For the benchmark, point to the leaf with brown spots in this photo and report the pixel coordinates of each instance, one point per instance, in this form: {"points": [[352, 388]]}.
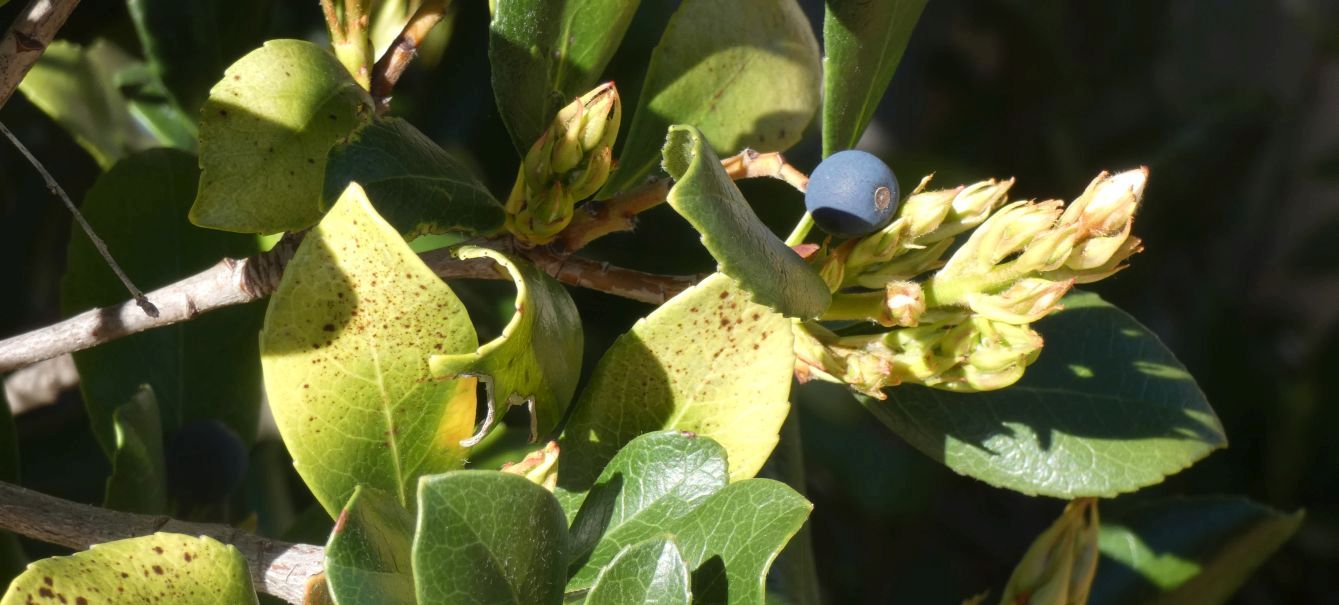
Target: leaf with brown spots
{"points": [[161, 568], [691, 366], [275, 109], [345, 351], [536, 361]]}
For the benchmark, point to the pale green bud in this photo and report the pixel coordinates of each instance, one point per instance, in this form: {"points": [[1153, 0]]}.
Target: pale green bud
{"points": [[1058, 568], [1048, 251], [1105, 216], [1026, 301], [600, 121], [994, 355], [878, 247], [592, 177], [970, 207], [1115, 262], [909, 264], [539, 466], [925, 211], [1005, 233]]}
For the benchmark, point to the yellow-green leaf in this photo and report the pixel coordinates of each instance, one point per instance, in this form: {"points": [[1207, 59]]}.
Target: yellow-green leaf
{"points": [[709, 361], [139, 474], [536, 361], [264, 135], [161, 568], [345, 351]]}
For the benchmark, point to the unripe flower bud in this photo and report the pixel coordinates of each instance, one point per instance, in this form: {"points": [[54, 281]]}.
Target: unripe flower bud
{"points": [[1026, 301], [1058, 568]]}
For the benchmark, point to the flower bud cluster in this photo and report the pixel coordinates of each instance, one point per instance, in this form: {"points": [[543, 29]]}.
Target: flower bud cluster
{"points": [[967, 326], [569, 162]]}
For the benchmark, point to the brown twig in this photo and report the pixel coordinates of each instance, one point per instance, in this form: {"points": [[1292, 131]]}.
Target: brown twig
{"points": [[277, 568], [597, 219], [749, 164], [401, 52], [239, 281], [27, 38], [596, 275]]}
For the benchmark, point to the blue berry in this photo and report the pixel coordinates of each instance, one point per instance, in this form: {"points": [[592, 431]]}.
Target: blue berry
{"points": [[852, 193], [206, 461]]}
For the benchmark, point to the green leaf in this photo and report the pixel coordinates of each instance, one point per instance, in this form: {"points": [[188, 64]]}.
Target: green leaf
{"points": [[75, 87], [544, 53], [1106, 409], [652, 482], [139, 474], [152, 106], [488, 537], [745, 248], [206, 368], [414, 184], [863, 42], [264, 135], [190, 43], [368, 557], [745, 73], [1186, 551], [731, 540], [709, 361], [345, 350], [537, 358], [650, 573], [161, 568]]}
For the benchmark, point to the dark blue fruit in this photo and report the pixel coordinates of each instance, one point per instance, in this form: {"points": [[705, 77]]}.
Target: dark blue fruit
{"points": [[852, 193], [206, 461]]}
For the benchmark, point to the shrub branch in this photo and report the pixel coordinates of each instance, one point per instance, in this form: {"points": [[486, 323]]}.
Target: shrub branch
{"points": [[280, 569], [238, 281], [402, 51]]}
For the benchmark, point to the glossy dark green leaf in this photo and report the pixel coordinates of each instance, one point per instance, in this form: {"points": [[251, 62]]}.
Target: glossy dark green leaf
{"points": [[650, 573], [413, 183], [189, 44], [488, 537], [544, 53], [745, 248], [204, 368], [138, 483], [709, 361], [1105, 409], [863, 42], [1186, 551], [264, 135], [655, 480], [368, 557], [731, 540], [536, 361], [744, 72]]}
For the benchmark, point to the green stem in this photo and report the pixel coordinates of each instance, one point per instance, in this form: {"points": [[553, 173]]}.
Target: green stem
{"points": [[866, 306], [801, 230], [354, 47]]}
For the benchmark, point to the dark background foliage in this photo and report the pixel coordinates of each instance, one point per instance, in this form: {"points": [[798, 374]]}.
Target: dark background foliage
{"points": [[1233, 104]]}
